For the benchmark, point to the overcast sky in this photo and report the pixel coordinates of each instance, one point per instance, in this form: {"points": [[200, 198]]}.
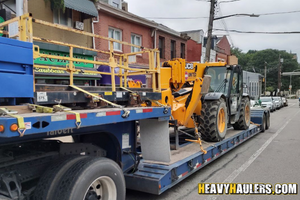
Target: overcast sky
{"points": [[200, 8]]}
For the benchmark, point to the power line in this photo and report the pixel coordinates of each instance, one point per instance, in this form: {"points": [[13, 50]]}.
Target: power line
{"points": [[225, 26], [273, 13], [278, 13], [175, 17], [228, 1], [261, 32]]}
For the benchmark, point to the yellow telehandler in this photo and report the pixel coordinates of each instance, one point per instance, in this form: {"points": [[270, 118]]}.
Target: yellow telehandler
{"points": [[208, 96]]}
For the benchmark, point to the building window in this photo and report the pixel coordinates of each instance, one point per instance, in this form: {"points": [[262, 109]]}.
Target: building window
{"points": [[63, 18], [161, 47], [136, 40], [173, 49], [182, 50], [117, 35]]}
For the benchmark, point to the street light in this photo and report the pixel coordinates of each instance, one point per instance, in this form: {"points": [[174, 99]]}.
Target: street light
{"points": [[291, 80], [210, 26], [233, 15]]}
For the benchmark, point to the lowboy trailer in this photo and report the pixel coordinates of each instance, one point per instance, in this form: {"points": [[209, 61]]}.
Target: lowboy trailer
{"points": [[59, 153]]}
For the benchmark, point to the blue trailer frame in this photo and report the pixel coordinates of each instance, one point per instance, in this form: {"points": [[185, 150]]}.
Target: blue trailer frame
{"points": [[156, 178]]}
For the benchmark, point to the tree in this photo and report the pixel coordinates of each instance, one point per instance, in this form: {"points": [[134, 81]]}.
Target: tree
{"points": [[255, 60]]}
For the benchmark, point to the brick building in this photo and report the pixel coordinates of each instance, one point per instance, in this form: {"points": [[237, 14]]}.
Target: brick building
{"points": [[194, 45], [122, 25], [222, 49]]}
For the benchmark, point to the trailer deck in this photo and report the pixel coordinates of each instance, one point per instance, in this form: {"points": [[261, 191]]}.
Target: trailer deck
{"points": [[156, 177], [43, 124]]}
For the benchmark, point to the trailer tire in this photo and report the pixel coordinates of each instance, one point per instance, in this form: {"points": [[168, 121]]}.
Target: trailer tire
{"points": [[243, 122], [91, 179], [268, 121], [52, 176], [263, 123], [213, 120]]}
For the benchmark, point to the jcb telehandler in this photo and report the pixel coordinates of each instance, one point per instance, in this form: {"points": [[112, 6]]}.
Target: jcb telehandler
{"points": [[206, 95]]}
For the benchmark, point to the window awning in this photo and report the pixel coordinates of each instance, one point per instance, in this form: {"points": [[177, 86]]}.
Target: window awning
{"points": [[84, 6]]}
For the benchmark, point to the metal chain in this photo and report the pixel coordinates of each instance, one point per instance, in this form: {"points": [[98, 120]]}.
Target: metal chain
{"points": [[197, 133]]}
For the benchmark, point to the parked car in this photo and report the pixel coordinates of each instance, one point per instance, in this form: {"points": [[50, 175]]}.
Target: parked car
{"points": [[277, 102], [268, 102], [285, 101], [281, 102]]}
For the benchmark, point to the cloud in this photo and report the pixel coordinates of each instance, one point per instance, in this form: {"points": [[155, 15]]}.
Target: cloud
{"points": [[194, 8]]}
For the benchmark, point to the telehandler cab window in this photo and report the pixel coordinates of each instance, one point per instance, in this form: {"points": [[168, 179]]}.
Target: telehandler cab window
{"points": [[219, 79]]}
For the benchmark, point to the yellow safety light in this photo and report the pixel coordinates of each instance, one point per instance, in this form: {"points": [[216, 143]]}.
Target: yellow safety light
{"points": [[1, 128], [14, 127]]}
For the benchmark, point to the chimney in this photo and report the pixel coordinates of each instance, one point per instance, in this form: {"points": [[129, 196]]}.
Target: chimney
{"points": [[125, 6]]}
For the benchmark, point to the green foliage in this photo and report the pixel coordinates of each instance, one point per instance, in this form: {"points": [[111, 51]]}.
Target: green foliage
{"points": [[257, 59], [56, 4], [270, 89]]}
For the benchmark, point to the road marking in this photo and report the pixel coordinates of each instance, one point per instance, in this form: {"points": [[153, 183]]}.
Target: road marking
{"points": [[237, 172]]}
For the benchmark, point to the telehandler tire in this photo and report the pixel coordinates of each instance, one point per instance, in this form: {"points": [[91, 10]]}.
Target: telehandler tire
{"points": [[244, 120], [213, 120]]}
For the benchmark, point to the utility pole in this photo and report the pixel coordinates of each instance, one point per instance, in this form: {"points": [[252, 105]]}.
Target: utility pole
{"points": [[209, 31], [265, 77], [279, 73]]}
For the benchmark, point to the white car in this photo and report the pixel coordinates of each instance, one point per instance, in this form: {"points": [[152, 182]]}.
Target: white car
{"points": [[277, 102], [268, 102]]}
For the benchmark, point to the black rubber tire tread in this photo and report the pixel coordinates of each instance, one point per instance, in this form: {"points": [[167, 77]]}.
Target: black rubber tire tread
{"points": [[52, 176], [241, 123], [262, 126], [208, 120], [78, 178], [268, 121]]}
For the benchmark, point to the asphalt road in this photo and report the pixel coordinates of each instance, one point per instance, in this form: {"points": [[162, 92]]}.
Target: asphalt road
{"points": [[269, 157]]}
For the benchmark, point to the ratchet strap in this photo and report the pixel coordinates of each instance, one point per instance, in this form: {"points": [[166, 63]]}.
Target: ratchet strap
{"points": [[125, 112], [78, 119], [21, 124], [60, 108], [56, 108], [255, 124], [41, 109], [95, 96]]}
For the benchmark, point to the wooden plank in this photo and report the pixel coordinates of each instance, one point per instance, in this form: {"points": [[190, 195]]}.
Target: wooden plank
{"points": [[20, 109]]}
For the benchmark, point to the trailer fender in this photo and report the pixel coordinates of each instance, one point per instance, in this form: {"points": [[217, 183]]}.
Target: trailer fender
{"points": [[214, 96], [106, 141]]}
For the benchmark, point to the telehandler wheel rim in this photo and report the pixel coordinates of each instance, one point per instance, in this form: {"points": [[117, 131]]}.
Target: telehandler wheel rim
{"points": [[221, 120], [103, 187], [247, 114]]}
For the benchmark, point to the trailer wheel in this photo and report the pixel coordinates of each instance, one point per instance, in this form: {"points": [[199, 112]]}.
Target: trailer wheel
{"points": [[94, 178], [268, 121], [52, 176], [263, 123], [244, 120], [213, 120]]}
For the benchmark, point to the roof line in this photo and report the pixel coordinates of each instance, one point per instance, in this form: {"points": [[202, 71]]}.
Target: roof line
{"points": [[134, 18]]}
